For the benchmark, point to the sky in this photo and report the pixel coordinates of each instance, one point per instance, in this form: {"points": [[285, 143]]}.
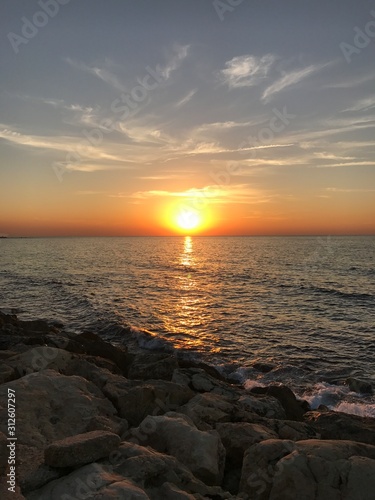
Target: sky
{"points": [[242, 117]]}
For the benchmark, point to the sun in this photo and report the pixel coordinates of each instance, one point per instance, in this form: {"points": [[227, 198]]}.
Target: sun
{"points": [[188, 219]]}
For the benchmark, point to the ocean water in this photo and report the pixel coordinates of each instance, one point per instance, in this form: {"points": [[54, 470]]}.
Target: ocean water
{"points": [[306, 305]]}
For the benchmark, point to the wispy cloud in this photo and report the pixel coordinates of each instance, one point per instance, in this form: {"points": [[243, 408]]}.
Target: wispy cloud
{"points": [[246, 70], [179, 53], [363, 104], [186, 99], [101, 73], [289, 79]]}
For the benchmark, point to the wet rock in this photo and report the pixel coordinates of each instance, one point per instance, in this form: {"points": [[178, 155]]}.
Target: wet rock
{"points": [[294, 409], [263, 367], [202, 452], [147, 366], [360, 386], [80, 449], [337, 425]]}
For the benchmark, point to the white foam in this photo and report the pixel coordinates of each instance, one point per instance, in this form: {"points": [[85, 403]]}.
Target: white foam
{"points": [[363, 410], [250, 384]]}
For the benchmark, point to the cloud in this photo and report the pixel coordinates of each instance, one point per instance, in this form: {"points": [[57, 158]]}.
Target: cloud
{"points": [[101, 73], [186, 99], [246, 71], [362, 105], [180, 52], [289, 79]]}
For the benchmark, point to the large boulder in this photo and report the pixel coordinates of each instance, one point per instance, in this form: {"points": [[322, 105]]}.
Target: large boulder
{"points": [[94, 482], [135, 400], [294, 409], [202, 452], [312, 469], [147, 366], [337, 425], [262, 405], [81, 449], [152, 470], [237, 437], [208, 409], [360, 386], [51, 406]]}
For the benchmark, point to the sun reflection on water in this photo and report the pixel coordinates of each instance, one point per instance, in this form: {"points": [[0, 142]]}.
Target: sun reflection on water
{"points": [[190, 304]]}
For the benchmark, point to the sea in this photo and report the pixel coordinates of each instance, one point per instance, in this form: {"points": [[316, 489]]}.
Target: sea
{"points": [[305, 305]]}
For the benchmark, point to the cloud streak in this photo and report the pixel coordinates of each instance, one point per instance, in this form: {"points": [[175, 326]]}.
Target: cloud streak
{"points": [[246, 70]]}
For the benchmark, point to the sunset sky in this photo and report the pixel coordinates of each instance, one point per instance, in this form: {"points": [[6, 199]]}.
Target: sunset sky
{"points": [[256, 116]]}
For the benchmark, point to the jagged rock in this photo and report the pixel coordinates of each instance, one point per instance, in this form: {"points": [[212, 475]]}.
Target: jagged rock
{"points": [[360, 386], [264, 406], [312, 469], [239, 436], [135, 400], [94, 482], [151, 469], [32, 473], [7, 373], [147, 366], [290, 429], [208, 409], [263, 367], [294, 409], [51, 406], [40, 358], [337, 425], [202, 452], [80, 449]]}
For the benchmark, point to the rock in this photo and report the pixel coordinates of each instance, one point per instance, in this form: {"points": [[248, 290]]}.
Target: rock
{"points": [[294, 409], [264, 406], [290, 429], [91, 344], [170, 492], [51, 406], [147, 366], [360, 386], [5, 494], [312, 469], [135, 400], [81, 449], [94, 482], [32, 473], [263, 367], [3, 453], [7, 373], [202, 452], [151, 469], [208, 409], [238, 437], [40, 358], [337, 425]]}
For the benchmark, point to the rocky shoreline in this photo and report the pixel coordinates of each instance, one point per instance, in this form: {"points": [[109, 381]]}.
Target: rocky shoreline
{"points": [[95, 421]]}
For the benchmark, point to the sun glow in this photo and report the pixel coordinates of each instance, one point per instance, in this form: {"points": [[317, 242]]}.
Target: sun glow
{"points": [[188, 219]]}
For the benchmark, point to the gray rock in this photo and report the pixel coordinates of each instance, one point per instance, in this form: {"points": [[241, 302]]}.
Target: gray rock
{"points": [[147, 366], [360, 386], [51, 406], [337, 425], [312, 469], [202, 452], [81, 449]]}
